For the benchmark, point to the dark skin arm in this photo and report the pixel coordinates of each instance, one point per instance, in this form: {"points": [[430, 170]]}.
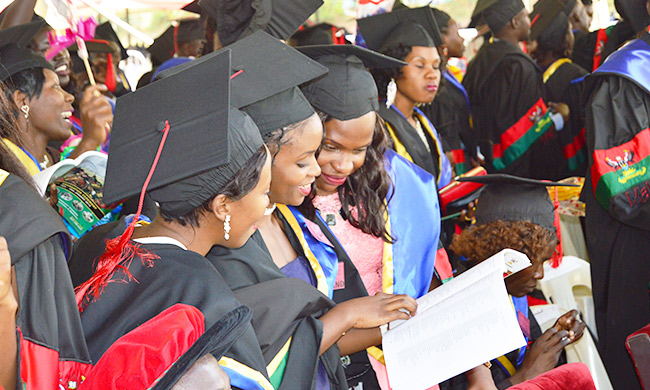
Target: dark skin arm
{"points": [[366, 313], [8, 309], [18, 12], [96, 120], [542, 356]]}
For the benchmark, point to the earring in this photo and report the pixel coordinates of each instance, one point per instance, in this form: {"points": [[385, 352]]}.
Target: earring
{"points": [[445, 51], [226, 228], [270, 210], [25, 110], [391, 91]]}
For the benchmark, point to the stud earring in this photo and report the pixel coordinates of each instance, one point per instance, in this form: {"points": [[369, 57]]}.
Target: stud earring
{"points": [[269, 210], [445, 51], [25, 110], [391, 91], [226, 228]]}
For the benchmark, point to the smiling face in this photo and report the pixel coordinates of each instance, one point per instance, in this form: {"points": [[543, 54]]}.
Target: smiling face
{"points": [[294, 166], [61, 62], [343, 150], [50, 112], [420, 79]]}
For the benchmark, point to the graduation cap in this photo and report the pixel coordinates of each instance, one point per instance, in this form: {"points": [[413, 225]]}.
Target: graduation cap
{"points": [[162, 47], [548, 15], [237, 19], [406, 26], [156, 354], [201, 129], [266, 75], [495, 13], [14, 54], [512, 198], [550, 20], [320, 34], [635, 12], [165, 46], [106, 32], [348, 91]]}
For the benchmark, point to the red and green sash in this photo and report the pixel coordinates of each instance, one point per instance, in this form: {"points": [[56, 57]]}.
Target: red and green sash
{"points": [[516, 141], [623, 171], [575, 152]]}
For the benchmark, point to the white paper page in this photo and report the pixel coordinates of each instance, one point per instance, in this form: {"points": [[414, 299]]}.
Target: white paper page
{"points": [[460, 325]]}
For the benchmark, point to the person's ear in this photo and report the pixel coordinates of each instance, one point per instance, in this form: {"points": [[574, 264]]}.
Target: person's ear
{"points": [[20, 98], [514, 23], [647, 6], [221, 206]]}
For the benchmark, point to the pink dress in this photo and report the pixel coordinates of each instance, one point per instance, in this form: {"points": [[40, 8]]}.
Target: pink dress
{"points": [[365, 250]]}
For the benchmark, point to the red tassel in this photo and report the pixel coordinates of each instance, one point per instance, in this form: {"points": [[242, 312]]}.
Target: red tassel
{"points": [[175, 39], [110, 82], [120, 251], [556, 259]]}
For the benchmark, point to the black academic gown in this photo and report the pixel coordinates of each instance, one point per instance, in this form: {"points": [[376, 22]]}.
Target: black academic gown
{"points": [[618, 238], [48, 318], [282, 308], [406, 137], [565, 85], [177, 276], [450, 114], [592, 48], [506, 93]]}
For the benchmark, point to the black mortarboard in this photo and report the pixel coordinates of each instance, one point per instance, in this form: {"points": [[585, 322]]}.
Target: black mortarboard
{"points": [[193, 7], [495, 13], [96, 46], [238, 18], [14, 55], [320, 34], [216, 341], [105, 32], [162, 47], [442, 18], [543, 16], [635, 12], [190, 30], [207, 143], [512, 198], [406, 26], [348, 91], [266, 89]]}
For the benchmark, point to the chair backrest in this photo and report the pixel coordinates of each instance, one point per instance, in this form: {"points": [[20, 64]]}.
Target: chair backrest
{"points": [[638, 345], [569, 286]]}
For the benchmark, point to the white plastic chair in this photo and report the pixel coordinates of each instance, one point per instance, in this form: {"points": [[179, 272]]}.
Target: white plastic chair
{"points": [[569, 286], [583, 350]]}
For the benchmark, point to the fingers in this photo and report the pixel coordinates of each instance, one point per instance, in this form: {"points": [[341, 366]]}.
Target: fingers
{"points": [[402, 303]]}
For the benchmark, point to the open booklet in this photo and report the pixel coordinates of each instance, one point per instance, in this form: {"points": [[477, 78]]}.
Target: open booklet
{"points": [[79, 184], [462, 324]]}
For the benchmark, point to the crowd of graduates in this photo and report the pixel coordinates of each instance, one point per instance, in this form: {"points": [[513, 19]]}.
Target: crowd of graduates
{"points": [[272, 197]]}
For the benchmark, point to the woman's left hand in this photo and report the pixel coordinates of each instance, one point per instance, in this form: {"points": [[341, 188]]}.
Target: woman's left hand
{"points": [[572, 324]]}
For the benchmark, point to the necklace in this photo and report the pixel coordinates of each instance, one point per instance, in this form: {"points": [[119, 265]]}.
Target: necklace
{"points": [[420, 132]]}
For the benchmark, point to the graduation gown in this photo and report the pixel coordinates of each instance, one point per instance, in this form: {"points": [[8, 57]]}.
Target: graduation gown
{"points": [[53, 351], [450, 114], [408, 144], [285, 314], [565, 83], [616, 193], [510, 117], [177, 276], [592, 48]]}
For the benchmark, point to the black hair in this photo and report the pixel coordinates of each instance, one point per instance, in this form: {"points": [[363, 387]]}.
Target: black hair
{"points": [[368, 189], [553, 38], [275, 139], [241, 184], [9, 130], [442, 19], [28, 81], [383, 76]]}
